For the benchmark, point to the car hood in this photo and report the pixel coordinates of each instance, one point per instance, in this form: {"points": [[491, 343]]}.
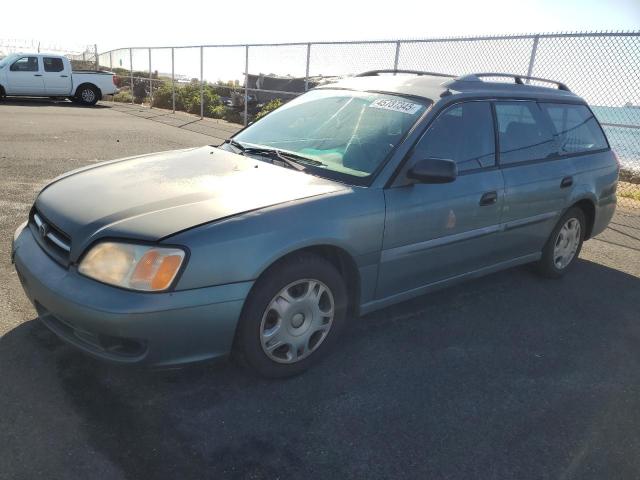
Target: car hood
{"points": [[153, 196]]}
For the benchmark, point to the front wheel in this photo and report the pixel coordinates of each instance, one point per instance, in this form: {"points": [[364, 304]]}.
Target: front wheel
{"points": [[292, 316], [87, 95], [564, 244]]}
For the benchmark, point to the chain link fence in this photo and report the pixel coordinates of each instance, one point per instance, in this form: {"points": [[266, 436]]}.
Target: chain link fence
{"points": [[237, 82]]}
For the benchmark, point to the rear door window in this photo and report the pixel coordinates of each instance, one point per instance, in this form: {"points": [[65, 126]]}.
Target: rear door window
{"points": [[524, 133], [463, 133], [576, 129], [25, 64], [52, 64]]}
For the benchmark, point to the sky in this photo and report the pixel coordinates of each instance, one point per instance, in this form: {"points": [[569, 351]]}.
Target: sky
{"points": [[140, 23]]}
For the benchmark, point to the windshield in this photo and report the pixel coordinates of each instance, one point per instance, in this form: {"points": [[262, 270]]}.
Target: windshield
{"points": [[7, 59], [347, 132]]}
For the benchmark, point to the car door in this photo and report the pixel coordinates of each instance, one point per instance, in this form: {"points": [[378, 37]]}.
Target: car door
{"points": [[57, 80], [435, 232], [538, 181], [25, 77]]}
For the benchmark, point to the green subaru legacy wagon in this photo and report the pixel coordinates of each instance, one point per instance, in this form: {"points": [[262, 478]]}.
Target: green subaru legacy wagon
{"points": [[351, 197]]}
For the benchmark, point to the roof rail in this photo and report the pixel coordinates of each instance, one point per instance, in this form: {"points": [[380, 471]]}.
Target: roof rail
{"points": [[477, 77], [375, 73]]}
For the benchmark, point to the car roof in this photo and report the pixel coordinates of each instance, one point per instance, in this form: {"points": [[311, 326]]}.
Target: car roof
{"points": [[434, 86]]}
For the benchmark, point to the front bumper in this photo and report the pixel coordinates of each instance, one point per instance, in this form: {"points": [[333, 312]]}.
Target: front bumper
{"points": [[156, 329]]}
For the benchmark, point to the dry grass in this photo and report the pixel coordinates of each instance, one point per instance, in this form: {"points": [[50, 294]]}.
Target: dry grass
{"points": [[629, 191]]}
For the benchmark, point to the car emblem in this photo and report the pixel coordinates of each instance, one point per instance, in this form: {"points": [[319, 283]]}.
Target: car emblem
{"points": [[43, 229]]}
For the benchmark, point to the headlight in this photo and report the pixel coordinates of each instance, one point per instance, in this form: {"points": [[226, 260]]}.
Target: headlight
{"points": [[138, 267]]}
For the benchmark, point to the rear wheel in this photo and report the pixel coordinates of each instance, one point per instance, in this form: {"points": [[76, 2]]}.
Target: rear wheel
{"points": [[293, 315], [87, 95], [564, 244]]}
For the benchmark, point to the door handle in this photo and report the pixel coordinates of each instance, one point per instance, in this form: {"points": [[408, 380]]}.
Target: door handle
{"points": [[37, 74], [64, 76], [489, 198], [566, 182]]}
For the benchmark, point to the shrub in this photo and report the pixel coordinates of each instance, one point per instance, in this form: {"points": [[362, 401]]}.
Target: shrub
{"points": [[124, 97], [269, 107], [188, 98]]}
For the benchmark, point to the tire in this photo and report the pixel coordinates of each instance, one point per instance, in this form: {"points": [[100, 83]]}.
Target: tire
{"points": [[87, 95], [555, 262], [304, 334]]}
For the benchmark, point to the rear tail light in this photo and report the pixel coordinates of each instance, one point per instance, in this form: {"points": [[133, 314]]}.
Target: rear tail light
{"points": [[113, 79]]}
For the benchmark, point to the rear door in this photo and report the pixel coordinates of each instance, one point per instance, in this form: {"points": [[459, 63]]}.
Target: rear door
{"points": [[57, 80], [438, 231], [25, 77], [538, 181]]}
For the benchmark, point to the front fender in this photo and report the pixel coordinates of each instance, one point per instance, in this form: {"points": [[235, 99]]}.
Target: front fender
{"points": [[242, 247]]}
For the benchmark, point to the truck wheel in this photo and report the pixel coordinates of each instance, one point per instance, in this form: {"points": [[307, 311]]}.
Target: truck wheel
{"points": [[87, 95], [292, 316]]}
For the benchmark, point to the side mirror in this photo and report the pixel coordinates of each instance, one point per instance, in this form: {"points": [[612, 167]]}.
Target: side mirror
{"points": [[433, 170]]}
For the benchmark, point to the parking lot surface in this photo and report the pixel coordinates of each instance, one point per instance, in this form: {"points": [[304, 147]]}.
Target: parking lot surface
{"points": [[509, 376]]}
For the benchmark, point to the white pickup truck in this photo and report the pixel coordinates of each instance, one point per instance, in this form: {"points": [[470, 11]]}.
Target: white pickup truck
{"points": [[44, 75]]}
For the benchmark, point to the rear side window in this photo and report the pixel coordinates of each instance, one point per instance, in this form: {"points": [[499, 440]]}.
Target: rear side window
{"points": [[576, 128], [524, 132], [52, 64], [463, 133], [25, 64]]}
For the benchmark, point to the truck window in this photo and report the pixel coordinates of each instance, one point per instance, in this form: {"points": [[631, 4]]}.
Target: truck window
{"points": [[52, 64], [462, 133], [576, 128], [25, 64], [524, 132]]}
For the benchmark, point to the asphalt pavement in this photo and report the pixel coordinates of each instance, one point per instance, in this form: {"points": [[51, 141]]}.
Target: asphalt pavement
{"points": [[509, 376]]}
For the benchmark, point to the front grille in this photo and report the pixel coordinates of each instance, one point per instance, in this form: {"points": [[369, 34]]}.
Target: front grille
{"points": [[52, 240]]}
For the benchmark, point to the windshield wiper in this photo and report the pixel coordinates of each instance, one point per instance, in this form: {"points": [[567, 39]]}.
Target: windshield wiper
{"points": [[291, 159]]}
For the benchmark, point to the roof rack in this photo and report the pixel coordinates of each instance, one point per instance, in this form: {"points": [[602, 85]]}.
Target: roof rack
{"points": [[477, 77], [375, 73]]}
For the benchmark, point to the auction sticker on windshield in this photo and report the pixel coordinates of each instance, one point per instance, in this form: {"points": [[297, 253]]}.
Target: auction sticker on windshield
{"points": [[396, 105]]}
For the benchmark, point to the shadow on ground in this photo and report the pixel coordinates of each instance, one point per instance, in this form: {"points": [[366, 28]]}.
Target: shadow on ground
{"points": [[624, 229], [220, 130], [511, 376], [45, 102]]}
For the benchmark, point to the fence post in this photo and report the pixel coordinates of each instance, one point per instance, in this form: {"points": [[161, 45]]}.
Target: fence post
{"points": [[397, 58], [150, 83], [306, 75], [201, 82], [95, 50], [173, 82], [246, 85], [532, 59], [131, 72]]}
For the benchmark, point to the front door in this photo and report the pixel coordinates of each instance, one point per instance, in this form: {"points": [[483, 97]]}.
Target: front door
{"points": [[25, 77], [435, 232]]}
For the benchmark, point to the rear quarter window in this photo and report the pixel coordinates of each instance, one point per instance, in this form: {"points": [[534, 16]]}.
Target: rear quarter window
{"points": [[575, 128]]}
